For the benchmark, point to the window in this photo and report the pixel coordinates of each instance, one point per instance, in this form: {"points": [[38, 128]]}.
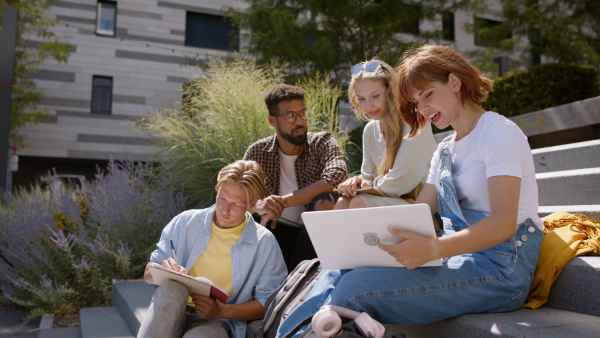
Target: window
{"points": [[106, 18], [489, 33], [448, 25], [101, 94], [209, 31]]}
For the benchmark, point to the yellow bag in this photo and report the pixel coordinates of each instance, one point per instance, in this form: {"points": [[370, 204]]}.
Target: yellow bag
{"points": [[566, 236]]}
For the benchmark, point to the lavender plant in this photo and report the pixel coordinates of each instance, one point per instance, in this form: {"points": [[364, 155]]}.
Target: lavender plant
{"points": [[61, 244]]}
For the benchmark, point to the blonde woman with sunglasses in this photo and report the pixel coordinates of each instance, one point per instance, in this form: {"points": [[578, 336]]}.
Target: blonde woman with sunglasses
{"points": [[393, 166]]}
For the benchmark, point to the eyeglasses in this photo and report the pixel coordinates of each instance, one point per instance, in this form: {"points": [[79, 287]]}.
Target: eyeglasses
{"points": [[291, 116], [368, 67]]}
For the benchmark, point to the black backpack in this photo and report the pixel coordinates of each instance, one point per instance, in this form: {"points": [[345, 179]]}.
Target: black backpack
{"points": [[293, 291]]}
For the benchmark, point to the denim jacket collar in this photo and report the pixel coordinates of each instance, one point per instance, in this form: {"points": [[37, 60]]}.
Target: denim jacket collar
{"points": [[248, 235]]}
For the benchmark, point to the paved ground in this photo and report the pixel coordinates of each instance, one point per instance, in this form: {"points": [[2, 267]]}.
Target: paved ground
{"points": [[12, 324]]}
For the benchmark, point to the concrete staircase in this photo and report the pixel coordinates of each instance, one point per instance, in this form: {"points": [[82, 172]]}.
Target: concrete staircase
{"points": [[568, 179], [130, 301]]}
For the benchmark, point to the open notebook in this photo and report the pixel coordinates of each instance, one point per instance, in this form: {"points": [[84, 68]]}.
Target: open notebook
{"points": [[347, 239], [199, 285]]}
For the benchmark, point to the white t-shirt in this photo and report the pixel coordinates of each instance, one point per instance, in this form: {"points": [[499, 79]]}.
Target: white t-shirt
{"points": [[288, 184], [495, 147]]}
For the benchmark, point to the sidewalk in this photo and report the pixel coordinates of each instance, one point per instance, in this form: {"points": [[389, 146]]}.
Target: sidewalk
{"points": [[11, 324]]}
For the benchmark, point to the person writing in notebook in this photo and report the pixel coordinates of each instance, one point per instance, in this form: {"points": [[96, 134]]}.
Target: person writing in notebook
{"points": [[392, 164], [481, 180], [225, 245]]}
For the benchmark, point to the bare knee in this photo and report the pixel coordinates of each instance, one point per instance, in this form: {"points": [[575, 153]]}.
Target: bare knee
{"points": [[343, 202], [357, 203]]}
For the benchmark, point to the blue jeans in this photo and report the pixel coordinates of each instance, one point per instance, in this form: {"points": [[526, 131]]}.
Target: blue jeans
{"points": [[493, 280]]}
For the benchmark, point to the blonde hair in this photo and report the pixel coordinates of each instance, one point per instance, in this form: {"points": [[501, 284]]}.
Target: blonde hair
{"points": [[419, 67], [391, 123], [246, 174]]}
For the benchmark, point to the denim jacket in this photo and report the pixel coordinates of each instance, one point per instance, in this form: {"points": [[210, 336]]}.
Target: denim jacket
{"points": [[258, 266]]}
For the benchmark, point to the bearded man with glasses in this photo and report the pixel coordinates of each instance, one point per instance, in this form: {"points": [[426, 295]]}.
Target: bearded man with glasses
{"points": [[301, 170]]}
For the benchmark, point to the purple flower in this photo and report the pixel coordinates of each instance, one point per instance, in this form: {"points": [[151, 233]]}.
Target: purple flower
{"points": [[45, 283], [81, 264]]}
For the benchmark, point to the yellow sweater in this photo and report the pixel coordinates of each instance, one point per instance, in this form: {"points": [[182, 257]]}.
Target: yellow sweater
{"points": [[566, 237]]}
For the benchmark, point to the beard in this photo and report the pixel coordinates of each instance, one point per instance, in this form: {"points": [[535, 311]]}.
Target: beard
{"points": [[297, 140]]}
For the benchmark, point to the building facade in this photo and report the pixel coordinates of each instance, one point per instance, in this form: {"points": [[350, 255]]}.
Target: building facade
{"points": [[131, 57]]}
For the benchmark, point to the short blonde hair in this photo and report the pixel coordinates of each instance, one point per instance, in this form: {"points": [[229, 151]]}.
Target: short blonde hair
{"points": [[246, 174]]}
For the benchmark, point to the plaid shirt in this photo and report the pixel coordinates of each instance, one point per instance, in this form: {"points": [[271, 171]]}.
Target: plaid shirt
{"points": [[319, 159]]}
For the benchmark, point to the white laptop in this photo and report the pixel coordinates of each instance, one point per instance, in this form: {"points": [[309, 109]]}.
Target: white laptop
{"points": [[347, 239]]}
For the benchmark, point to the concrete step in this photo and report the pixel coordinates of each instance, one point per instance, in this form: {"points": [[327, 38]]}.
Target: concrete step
{"points": [[569, 300], [543, 322], [569, 187], [591, 211], [61, 332], [132, 298], [577, 287], [103, 322], [578, 155]]}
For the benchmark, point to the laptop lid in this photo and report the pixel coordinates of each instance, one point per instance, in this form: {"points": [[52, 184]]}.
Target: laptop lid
{"points": [[347, 239]]}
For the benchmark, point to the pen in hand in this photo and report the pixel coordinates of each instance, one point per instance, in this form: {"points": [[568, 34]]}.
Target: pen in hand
{"points": [[173, 251]]}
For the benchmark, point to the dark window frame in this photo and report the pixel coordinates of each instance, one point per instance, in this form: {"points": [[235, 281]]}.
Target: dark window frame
{"points": [[102, 32], [95, 98], [194, 22], [448, 26]]}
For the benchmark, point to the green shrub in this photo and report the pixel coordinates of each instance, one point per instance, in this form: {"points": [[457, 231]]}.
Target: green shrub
{"points": [[543, 86], [223, 113]]}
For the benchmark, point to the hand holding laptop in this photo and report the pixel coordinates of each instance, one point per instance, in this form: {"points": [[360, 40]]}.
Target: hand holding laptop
{"points": [[412, 250]]}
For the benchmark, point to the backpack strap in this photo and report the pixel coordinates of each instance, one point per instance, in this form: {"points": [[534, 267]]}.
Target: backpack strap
{"points": [[284, 292], [298, 327]]}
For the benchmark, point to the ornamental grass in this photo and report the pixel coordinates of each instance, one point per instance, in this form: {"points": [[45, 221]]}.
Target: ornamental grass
{"points": [[222, 113]]}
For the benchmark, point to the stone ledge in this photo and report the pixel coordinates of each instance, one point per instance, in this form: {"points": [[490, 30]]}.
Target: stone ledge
{"points": [[132, 298], [97, 322], [567, 116], [542, 322], [569, 187], [577, 155], [577, 287], [591, 211]]}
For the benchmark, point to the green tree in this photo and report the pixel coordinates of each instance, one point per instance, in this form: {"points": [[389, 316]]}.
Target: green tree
{"points": [[564, 30], [35, 44], [331, 35]]}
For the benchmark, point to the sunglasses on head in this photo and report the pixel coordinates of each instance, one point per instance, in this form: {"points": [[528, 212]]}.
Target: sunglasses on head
{"points": [[368, 67]]}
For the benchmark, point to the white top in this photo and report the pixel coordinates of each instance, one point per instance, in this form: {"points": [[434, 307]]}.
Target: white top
{"points": [[495, 147], [410, 166], [288, 184]]}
